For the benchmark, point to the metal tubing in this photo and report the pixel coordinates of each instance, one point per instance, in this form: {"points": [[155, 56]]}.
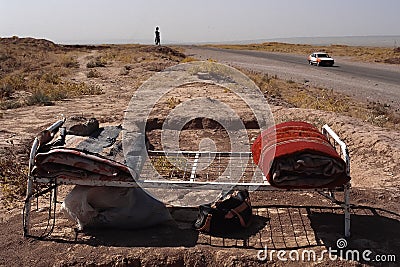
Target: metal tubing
{"points": [[347, 210], [35, 146], [29, 184], [56, 125], [345, 152], [194, 167], [27, 207], [179, 184]]}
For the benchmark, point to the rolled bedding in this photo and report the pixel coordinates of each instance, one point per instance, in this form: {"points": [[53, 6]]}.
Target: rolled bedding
{"points": [[97, 156], [297, 155]]}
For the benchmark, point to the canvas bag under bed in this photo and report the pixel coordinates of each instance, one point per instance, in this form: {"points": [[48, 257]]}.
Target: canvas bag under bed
{"points": [[228, 214]]}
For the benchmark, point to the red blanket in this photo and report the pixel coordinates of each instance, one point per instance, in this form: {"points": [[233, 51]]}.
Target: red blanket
{"points": [[298, 155]]}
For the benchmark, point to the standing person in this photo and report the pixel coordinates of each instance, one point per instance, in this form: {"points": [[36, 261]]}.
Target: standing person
{"points": [[157, 40]]}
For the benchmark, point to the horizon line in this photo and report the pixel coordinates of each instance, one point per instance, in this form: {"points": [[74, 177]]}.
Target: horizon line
{"points": [[172, 42]]}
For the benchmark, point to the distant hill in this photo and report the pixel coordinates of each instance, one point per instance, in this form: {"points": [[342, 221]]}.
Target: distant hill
{"points": [[380, 41], [28, 41]]}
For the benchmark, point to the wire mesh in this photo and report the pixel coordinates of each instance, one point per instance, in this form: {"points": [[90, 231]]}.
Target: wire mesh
{"points": [[202, 166]]}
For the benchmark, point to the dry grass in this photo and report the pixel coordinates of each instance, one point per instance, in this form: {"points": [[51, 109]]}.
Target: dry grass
{"points": [[97, 62], [16, 91], [69, 61], [358, 53], [13, 176], [302, 95], [166, 166], [135, 53], [93, 74], [128, 54], [34, 72], [188, 59], [172, 102]]}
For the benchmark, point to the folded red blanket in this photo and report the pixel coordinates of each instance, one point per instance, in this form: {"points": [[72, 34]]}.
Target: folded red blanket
{"points": [[298, 155]]}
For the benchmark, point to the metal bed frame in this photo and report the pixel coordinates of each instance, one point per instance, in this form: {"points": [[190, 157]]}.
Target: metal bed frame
{"points": [[185, 173]]}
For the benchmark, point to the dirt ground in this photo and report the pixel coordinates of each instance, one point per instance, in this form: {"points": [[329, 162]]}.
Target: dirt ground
{"points": [[293, 222]]}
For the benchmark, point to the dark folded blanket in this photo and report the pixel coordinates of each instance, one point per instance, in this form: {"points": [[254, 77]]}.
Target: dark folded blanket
{"points": [[69, 163], [297, 155], [97, 156]]}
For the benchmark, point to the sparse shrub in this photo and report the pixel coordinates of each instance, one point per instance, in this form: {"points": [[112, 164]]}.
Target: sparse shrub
{"points": [[9, 84], [6, 90], [93, 74], [45, 94], [167, 166], [5, 56], [77, 89], [11, 104], [124, 72], [13, 175], [172, 102], [321, 100], [50, 77], [97, 62], [393, 60], [69, 62], [39, 97], [266, 78], [188, 59], [380, 114]]}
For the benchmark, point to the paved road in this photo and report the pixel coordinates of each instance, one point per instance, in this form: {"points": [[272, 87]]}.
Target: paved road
{"points": [[376, 74], [372, 82]]}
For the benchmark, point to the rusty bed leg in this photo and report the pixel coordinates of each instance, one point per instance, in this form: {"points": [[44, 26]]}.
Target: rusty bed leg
{"points": [[347, 210]]}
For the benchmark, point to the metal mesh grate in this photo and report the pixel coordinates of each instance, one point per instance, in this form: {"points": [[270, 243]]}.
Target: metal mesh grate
{"points": [[202, 166]]}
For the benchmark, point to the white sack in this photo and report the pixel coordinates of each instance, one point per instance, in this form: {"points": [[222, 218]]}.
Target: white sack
{"points": [[114, 207]]}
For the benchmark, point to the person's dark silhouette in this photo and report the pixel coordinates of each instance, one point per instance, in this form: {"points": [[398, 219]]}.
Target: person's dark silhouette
{"points": [[157, 40]]}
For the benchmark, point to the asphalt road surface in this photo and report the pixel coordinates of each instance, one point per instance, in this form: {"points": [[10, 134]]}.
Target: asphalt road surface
{"points": [[366, 81]]}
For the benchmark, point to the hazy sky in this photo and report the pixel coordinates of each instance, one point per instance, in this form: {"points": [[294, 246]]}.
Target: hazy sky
{"points": [[196, 21]]}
